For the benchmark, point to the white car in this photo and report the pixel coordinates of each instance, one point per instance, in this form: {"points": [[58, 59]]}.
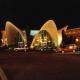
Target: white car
{"points": [[21, 49]]}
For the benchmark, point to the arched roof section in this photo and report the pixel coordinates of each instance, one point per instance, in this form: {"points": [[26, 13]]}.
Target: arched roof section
{"points": [[51, 28], [60, 34], [11, 31]]}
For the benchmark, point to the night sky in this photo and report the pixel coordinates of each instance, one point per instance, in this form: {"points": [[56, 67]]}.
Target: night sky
{"points": [[34, 13]]}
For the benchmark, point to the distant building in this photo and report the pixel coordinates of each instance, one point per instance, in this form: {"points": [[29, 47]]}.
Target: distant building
{"points": [[75, 33]]}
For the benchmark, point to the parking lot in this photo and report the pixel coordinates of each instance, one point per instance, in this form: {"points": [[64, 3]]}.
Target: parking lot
{"points": [[40, 65]]}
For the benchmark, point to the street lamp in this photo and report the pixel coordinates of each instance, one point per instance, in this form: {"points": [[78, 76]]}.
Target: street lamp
{"points": [[77, 40]]}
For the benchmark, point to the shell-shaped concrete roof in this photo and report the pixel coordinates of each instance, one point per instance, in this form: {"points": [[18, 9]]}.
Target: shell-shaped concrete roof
{"points": [[11, 31], [51, 28], [60, 34]]}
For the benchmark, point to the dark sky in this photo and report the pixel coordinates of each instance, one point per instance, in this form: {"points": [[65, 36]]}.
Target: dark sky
{"points": [[34, 13]]}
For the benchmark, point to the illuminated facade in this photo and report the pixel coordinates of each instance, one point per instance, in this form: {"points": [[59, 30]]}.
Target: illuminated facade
{"points": [[75, 32], [4, 39], [13, 33], [51, 29], [43, 39], [60, 34], [48, 35]]}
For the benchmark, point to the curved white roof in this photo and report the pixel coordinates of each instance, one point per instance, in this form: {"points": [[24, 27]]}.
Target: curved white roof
{"points": [[11, 31], [51, 28], [60, 34]]}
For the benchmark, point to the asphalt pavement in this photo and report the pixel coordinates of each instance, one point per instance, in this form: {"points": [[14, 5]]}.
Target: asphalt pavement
{"points": [[40, 65]]}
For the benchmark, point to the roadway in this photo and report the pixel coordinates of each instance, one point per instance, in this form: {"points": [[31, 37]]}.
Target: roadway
{"points": [[35, 65]]}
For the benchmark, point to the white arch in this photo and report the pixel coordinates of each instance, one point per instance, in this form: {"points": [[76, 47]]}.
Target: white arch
{"points": [[11, 31], [51, 28], [60, 34]]}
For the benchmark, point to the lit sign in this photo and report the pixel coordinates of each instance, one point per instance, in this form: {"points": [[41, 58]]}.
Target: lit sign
{"points": [[33, 32]]}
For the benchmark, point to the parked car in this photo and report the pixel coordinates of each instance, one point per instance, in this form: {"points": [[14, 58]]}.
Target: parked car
{"points": [[66, 49], [73, 46], [46, 48], [21, 49]]}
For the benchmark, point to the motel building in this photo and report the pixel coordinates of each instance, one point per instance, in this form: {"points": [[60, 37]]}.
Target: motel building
{"points": [[75, 32]]}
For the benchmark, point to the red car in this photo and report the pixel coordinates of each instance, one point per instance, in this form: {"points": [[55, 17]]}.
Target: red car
{"points": [[66, 49]]}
